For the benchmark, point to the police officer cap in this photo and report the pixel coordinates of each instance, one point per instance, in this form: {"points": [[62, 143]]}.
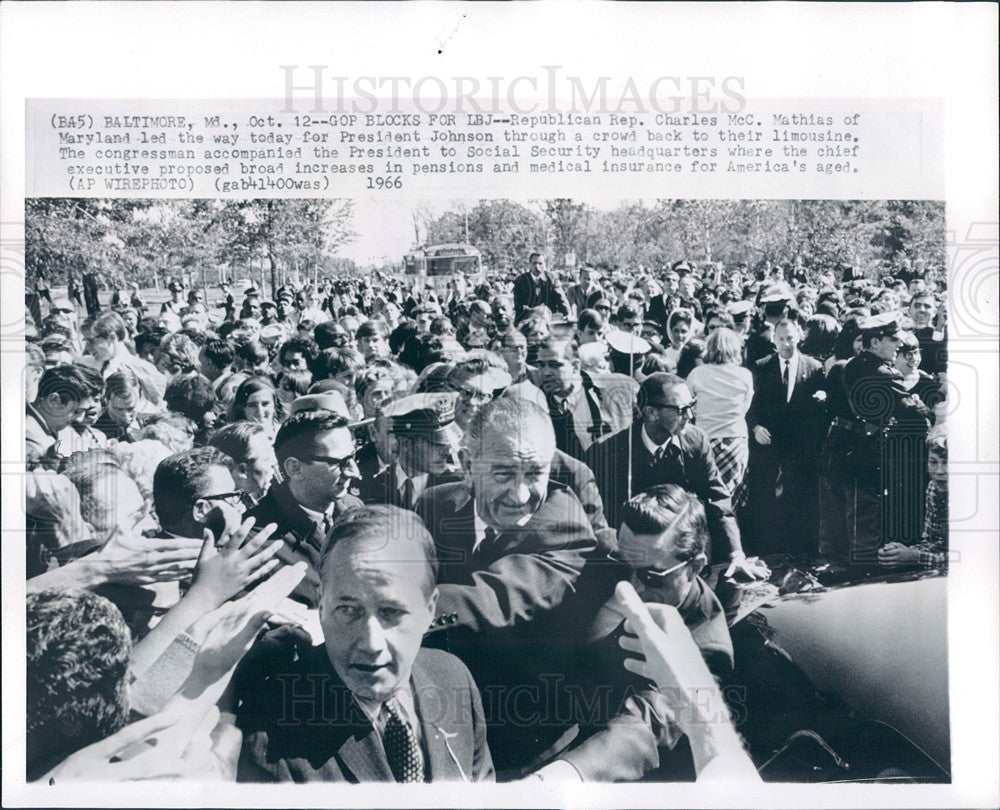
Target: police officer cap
{"points": [[491, 381], [326, 401], [908, 341], [429, 415], [739, 309], [776, 293], [626, 343], [682, 267], [881, 326], [272, 333], [175, 286]]}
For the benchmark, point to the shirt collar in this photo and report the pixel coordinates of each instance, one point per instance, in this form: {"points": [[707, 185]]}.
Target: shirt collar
{"points": [[318, 517], [373, 709], [651, 446], [419, 481]]}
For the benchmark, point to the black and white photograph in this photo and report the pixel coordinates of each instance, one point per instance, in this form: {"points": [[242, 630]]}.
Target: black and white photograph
{"points": [[500, 404], [553, 491]]}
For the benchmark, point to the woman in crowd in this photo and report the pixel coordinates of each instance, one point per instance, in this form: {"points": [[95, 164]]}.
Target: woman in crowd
{"points": [[257, 401], [723, 390]]}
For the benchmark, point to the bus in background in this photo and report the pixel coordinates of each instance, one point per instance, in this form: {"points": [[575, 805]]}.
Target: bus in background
{"points": [[434, 266]]}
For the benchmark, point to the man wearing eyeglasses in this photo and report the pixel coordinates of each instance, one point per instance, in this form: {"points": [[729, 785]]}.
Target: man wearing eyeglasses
{"points": [[315, 451], [662, 545], [194, 491], [666, 448]]}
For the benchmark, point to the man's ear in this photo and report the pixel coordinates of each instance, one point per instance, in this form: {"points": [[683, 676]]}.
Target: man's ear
{"points": [[291, 467], [432, 601], [200, 510], [699, 562]]}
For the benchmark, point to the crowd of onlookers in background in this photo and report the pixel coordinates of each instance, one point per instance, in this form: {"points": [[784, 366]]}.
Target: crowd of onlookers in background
{"points": [[404, 486]]}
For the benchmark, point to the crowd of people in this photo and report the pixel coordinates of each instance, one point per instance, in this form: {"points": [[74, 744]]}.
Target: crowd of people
{"points": [[377, 529]]}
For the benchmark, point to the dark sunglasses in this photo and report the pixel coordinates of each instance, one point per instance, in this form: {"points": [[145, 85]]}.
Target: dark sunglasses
{"points": [[650, 577], [344, 463]]}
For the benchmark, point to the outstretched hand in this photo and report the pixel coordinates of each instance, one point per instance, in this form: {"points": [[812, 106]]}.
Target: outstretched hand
{"points": [[224, 635], [231, 563], [168, 745], [747, 569], [669, 656], [138, 560]]}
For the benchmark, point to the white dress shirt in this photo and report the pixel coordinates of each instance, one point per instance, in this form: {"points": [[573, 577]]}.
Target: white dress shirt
{"points": [[419, 484], [793, 369]]}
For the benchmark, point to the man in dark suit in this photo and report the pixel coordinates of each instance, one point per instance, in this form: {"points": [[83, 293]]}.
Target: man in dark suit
{"points": [[579, 295], [315, 451], [787, 421], [582, 407], [538, 287], [427, 440], [511, 545], [662, 548], [369, 704], [933, 342], [664, 448]]}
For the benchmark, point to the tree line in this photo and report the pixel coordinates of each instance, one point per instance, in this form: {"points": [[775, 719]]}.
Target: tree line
{"points": [[869, 236], [150, 241]]}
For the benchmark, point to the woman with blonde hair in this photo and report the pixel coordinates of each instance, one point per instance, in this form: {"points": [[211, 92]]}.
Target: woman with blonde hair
{"points": [[723, 389]]}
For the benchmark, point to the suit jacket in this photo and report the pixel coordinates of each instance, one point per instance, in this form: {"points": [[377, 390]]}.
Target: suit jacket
{"points": [[693, 468], [640, 740], [933, 349], [506, 610], [579, 298], [529, 292], [797, 426], [300, 722], [304, 537], [524, 572], [384, 487], [38, 438], [604, 406]]}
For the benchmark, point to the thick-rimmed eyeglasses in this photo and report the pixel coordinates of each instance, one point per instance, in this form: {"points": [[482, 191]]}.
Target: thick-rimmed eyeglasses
{"points": [[344, 463], [232, 498], [680, 410]]}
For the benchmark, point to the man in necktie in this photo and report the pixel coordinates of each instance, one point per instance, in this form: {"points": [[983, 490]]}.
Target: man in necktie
{"points": [[512, 545], [427, 440], [315, 452], [787, 424], [663, 447], [583, 407], [367, 703], [107, 352]]}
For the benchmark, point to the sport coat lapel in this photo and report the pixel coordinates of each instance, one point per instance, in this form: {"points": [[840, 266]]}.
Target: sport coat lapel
{"points": [[457, 529], [442, 762], [364, 757]]}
